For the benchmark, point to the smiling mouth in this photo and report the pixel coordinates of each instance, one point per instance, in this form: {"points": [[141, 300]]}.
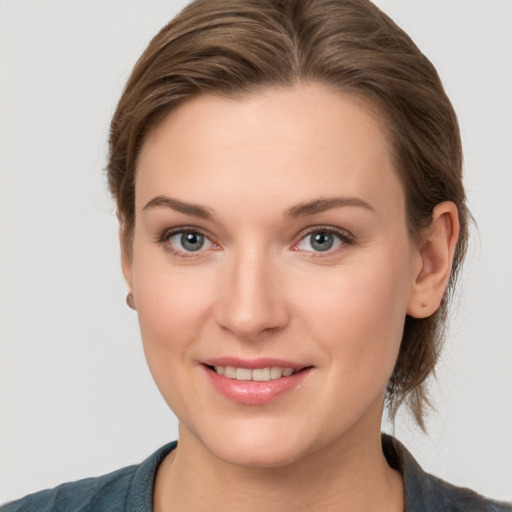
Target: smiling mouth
{"points": [[256, 374]]}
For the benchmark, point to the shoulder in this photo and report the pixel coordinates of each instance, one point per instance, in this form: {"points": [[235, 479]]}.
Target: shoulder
{"points": [[444, 496], [90, 494], [427, 493], [127, 489]]}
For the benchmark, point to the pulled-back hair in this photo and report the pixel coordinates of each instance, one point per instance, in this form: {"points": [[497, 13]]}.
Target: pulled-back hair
{"points": [[234, 47]]}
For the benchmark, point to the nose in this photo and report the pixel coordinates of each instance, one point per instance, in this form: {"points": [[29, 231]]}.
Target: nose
{"points": [[252, 300]]}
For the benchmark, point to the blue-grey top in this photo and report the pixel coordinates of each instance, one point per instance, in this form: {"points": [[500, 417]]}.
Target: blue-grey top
{"points": [[130, 489]]}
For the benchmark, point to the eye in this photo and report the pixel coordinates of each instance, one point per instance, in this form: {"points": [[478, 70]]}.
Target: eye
{"points": [[184, 242], [322, 240], [189, 241]]}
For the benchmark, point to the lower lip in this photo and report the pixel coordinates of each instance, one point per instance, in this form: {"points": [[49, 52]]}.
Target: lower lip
{"points": [[251, 392]]}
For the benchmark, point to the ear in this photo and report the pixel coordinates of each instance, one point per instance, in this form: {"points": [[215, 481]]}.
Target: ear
{"points": [[126, 257], [435, 256]]}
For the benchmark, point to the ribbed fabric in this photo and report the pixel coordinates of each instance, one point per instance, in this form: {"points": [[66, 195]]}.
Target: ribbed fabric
{"points": [[130, 489]]}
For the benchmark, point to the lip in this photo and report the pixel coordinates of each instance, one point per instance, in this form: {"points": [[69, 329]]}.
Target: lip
{"points": [[253, 364], [251, 392]]}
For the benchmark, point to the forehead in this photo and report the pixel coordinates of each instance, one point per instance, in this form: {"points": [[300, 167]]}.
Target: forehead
{"points": [[306, 139]]}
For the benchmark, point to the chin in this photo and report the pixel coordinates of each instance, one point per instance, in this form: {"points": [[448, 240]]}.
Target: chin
{"points": [[260, 444], [260, 455]]}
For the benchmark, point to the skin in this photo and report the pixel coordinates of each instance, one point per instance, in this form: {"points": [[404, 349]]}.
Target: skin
{"points": [[258, 288]]}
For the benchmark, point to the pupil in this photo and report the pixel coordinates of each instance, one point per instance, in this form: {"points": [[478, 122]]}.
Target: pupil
{"points": [[322, 241], [192, 241]]}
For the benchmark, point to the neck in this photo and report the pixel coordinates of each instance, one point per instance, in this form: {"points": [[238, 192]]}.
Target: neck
{"points": [[349, 474]]}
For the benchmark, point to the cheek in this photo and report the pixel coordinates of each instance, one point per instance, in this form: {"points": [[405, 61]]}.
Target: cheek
{"points": [[168, 298], [173, 304], [358, 317], [172, 307]]}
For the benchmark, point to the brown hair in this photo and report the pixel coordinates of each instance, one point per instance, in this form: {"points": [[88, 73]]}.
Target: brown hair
{"points": [[231, 47]]}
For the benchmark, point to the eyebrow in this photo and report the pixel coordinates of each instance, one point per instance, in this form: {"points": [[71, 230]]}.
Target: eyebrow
{"points": [[179, 206], [301, 210], [326, 203]]}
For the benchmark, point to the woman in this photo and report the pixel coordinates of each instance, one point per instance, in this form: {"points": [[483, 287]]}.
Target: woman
{"points": [[288, 183]]}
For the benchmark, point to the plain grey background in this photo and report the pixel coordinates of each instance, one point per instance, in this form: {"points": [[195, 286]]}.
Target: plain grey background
{"points": [[76, 397]]}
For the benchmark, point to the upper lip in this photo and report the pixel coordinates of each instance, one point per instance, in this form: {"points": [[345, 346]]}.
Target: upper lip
{"points": [[252, 364]]}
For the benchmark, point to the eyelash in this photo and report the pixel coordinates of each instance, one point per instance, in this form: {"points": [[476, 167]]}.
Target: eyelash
{"points": [[345, 238], [166, 235]]}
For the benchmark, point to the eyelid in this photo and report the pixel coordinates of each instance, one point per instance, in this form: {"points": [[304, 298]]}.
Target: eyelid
{"points": [[345, 237], [163, 239]]}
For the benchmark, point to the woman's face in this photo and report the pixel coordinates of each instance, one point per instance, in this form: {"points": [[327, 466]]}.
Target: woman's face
{"points": [[271, 238]]}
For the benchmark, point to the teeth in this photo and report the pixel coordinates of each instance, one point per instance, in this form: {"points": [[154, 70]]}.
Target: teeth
{"points": [[243, 374], [276, 373], [261, 374], [258, 374], [229, 372]]}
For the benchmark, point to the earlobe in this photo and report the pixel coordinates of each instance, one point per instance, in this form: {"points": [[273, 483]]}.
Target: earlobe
{"points": [[435, 256]]}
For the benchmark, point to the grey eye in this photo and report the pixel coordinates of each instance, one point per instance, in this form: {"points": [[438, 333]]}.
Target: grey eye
{"points": [[192, 241], [189, 241], [321, 241]]}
